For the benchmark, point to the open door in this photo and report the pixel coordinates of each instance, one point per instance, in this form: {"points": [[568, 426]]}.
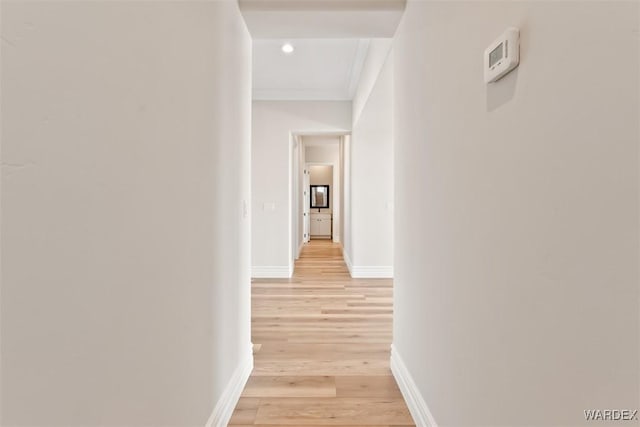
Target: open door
{"points": [[305, 198]]}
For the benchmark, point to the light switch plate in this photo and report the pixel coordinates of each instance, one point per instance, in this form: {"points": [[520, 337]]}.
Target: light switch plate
{"points": [[269, 206]]}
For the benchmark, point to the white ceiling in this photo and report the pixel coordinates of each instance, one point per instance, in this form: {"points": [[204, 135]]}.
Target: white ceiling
{"points": [[330, 37], [322, 24], [276, 19], [318, 69]]}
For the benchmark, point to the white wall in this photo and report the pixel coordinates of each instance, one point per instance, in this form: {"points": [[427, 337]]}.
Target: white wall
{"points": [[346, 199], [297, 170], [273, 122], [377, 54], [125, 159], [343, 184], [328, 153], [321, 175], [517, 234], [371, 251], [297, 197], [232, 195]]}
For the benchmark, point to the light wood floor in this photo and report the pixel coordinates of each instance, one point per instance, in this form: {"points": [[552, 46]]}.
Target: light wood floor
{"points": [[321, 345]]}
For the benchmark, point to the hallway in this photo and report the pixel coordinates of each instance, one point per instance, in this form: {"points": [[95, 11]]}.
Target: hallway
{"points": [[321, 344], [156, 187]]}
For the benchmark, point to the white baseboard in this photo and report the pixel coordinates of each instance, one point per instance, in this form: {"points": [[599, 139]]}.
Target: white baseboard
{"points": [[365, 271], [417, 406], [371, 272], [347, 261], [272, 272], [226, 404]]}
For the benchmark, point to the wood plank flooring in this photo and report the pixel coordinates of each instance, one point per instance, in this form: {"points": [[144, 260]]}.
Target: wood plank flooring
{"points": [[321, 346]]}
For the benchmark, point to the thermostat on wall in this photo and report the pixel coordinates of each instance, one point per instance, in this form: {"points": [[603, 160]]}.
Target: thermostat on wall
{"points": [[502, 56]]}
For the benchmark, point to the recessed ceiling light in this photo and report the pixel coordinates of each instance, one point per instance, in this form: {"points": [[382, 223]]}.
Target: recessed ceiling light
{"points": [[287, 48]]}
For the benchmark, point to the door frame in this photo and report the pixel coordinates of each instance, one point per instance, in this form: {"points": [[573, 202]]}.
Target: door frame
{"points": [[296, 185]]}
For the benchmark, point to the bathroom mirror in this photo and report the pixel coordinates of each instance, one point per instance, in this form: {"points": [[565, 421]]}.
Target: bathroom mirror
{"points": [[320, 196]]}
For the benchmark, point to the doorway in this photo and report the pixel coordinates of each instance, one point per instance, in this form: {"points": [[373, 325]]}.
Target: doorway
{"points": [[322, 201], [318, 160]]}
